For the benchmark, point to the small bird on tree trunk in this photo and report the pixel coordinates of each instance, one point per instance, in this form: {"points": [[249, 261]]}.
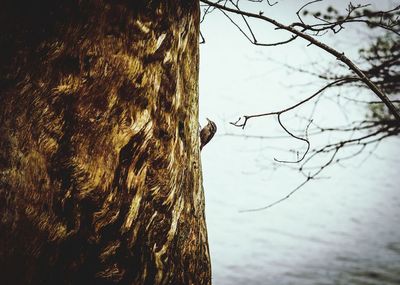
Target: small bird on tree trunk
{"points": [[207, 133]]}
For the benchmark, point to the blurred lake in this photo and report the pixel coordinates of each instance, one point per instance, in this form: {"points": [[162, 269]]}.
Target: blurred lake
{"points": [[342, 230]]}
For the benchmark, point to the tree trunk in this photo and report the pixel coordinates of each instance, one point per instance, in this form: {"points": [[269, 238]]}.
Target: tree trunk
{"points": [[100, 177]]}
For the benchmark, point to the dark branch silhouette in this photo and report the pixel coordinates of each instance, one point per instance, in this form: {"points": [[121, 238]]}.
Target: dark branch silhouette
{"points": [[312, 40], [378, 71], [277, 113]]}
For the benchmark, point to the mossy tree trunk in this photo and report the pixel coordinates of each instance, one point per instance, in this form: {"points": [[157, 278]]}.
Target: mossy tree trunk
{"points": [[100, 178]]}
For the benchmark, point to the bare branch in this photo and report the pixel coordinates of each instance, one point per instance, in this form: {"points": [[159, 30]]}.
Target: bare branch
{"points": [[203, 40], [253, 40], [302, 7], [296, 137], [269, 3], [338, 55], [277, 201], [247, 117], [272, 4], [309, 177]]}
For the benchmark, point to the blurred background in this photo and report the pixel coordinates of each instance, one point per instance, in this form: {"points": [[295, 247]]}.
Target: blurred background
{"points": [[340, 228]]}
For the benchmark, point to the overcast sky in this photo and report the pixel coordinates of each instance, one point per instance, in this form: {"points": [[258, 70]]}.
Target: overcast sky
{"points": [[237, 78]]}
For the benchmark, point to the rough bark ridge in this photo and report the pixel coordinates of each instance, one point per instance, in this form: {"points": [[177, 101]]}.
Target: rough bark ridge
{"points": [[99, 165]]}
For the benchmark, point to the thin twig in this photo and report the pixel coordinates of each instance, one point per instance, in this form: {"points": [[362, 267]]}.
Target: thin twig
{"points": [[338, 55], [203, 40], [247, 117], [309, 177]]}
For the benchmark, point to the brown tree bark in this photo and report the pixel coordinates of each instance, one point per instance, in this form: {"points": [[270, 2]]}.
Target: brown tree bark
{"points": [[100, 178]]}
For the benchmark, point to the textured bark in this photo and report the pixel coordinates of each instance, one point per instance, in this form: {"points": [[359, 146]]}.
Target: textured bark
{"points": [[100, 178]]}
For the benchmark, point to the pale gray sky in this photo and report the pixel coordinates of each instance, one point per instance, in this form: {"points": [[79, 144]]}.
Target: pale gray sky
{"points": [[316, 226]]}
